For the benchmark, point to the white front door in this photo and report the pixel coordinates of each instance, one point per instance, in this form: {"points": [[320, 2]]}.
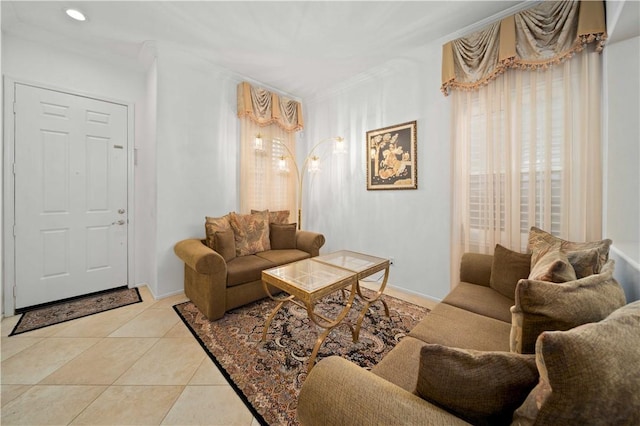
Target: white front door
{"points": [[70, 195]]}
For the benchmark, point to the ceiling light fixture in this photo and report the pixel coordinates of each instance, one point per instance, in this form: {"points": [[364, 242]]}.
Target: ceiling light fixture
{"points": [[76, 14]]}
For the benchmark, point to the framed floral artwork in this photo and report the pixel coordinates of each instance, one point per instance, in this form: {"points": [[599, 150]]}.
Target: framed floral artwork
{"points": [[392, 157]]}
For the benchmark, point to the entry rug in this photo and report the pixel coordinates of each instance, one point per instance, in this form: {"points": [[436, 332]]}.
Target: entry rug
{"points": [[268, 376], [66, 310]]}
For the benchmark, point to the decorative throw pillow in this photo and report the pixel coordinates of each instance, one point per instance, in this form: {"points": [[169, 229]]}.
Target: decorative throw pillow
{"points": [[588, 375], [507, 269], [213, 225], [585, 262], [540, 240], [251, 232], [552, 265], [481, 387], [225, 244], [545, 306], [282, 237], [280, 216]]}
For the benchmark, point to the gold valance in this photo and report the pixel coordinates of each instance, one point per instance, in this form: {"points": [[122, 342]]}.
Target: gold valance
{"points": [[543, 35], [264, 108]]}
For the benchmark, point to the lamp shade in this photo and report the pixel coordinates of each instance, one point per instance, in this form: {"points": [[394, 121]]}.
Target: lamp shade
{"points": [[339, 146], [282, 164], [314, 164], [258, 143]]}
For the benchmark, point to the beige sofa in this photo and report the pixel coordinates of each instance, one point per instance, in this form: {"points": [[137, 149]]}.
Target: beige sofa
{"points": [[462, 363], [225, 278]]}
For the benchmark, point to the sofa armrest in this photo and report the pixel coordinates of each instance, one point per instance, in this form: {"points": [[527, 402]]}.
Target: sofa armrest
{"points": [[308, 241], [338, 392], [475, 268], [199, 256]]}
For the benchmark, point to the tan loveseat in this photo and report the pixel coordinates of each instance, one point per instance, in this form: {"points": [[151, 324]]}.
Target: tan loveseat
{"points": [[225, 278], [461, 364]]}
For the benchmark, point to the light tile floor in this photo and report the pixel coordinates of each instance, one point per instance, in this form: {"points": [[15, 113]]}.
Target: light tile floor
{"points": [[134, 365]]}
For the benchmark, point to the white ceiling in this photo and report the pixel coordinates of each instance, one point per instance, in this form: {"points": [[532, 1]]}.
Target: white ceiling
{"points": [[298, 47]]}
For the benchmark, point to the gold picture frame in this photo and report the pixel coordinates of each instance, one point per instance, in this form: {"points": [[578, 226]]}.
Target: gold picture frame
{"points": [[392, 157]]}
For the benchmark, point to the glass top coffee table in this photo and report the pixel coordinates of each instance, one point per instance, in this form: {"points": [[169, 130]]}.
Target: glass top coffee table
{"points": [[309, 280]]}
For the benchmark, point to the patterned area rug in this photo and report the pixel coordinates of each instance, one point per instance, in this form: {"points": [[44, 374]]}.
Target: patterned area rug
{"points": [[77, 307], [268, 376]]}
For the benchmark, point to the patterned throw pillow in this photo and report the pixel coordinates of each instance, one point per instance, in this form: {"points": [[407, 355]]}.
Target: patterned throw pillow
{"points": [[213, 225], [482, 387], [588, 375], [585, 262], [251, 232], [279, 217], [552, 265], [540, 240]]}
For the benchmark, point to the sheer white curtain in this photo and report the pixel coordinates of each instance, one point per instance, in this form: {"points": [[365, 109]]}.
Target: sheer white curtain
{"points": [[527, 152], [262, 184]]}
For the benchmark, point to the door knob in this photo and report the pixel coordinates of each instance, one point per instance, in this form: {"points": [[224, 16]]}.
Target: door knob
{"points": [[119, 222], [121, 211]]}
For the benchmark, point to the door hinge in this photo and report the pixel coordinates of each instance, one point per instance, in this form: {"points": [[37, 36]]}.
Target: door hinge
{"points": [[14, 168], [14, 107], [14, 230]]}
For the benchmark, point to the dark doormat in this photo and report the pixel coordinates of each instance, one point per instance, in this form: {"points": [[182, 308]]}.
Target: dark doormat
{"points": [[48, 314]]}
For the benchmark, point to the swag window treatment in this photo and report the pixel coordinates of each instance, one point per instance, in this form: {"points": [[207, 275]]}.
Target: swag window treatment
{"points": [[262, 185], [525, 134], [537, 38], [265, 108]]}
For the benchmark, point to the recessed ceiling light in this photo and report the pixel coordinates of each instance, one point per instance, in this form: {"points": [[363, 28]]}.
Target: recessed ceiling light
{"points": [[76, 14]]}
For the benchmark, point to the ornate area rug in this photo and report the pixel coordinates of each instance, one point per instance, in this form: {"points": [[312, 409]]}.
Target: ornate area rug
{"points": [[268, 376], [65, 310]]}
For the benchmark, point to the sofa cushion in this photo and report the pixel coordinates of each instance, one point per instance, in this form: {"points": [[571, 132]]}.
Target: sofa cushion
{"points": [[225, 244], [278, 216], [481, 300], [588, 375], [544, 306], [508, 267], [251, 232], [245, 269], [282, 236], [451, 326], [540, 240], [551, 264], [213, 225], [280, 257], [482, 387]]}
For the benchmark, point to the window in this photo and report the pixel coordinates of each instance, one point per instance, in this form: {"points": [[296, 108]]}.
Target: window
{"points": [[526, 128], [261, 112], [516, 146], [263, 186]]}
